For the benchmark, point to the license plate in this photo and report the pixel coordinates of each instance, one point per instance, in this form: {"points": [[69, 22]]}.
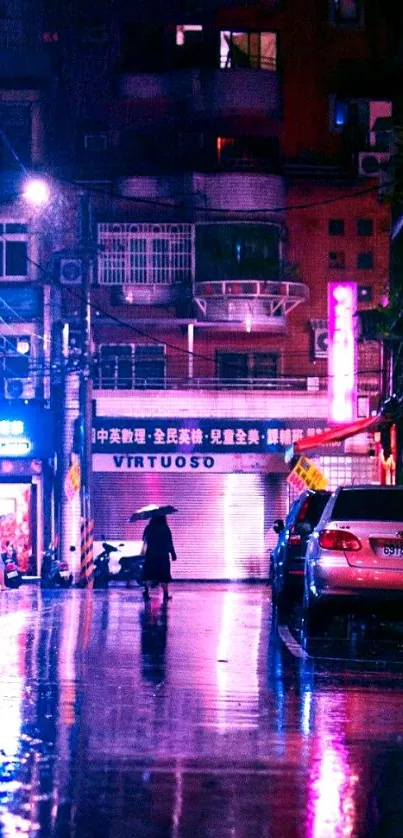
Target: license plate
{"points": [[395, 550], [64, 574], [12, 574]]}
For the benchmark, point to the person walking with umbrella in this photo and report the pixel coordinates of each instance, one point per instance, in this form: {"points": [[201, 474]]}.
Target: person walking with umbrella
{"points": [[157, 548]]}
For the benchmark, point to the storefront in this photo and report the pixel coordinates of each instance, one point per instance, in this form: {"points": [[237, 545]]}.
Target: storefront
{"points": [[26, 446], [227, 478]]}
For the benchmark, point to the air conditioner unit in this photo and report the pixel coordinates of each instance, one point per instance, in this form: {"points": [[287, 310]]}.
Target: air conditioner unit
{"points": [[19, 388], [320, 342], [71, 271], [372, 163]]}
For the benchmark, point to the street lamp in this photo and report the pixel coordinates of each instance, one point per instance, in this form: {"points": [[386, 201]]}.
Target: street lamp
{"points": [[74, 408], [36, 191]]}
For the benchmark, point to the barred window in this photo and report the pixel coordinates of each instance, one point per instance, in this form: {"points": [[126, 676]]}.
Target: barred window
{"points": [[145, 254]]}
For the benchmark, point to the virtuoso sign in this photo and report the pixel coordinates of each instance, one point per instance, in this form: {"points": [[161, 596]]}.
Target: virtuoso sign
{"points": [[342, 350]]}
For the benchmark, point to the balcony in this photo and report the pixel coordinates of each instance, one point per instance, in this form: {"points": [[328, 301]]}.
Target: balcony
{"points": [[219, 191], [118, 376], [250, 304], [145, 264], [193, 93]]}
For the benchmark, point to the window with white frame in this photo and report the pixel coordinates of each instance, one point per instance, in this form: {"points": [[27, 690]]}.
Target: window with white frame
{"points": [[145, 254], [13, 250], [188, 35], [253, 50], [131, 366], [15, 356]]}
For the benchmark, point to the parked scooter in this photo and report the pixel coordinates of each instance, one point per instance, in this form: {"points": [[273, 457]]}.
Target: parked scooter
{"points": [[102, 574], [123, 568], [55, 573], [12, 573], [131, 569]]}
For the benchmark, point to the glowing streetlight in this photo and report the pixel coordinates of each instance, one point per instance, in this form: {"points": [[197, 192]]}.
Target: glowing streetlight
{"points": [[36, 191]]}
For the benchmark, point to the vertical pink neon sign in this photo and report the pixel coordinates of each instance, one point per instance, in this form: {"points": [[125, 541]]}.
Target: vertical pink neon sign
{"points": [[342, 351]]}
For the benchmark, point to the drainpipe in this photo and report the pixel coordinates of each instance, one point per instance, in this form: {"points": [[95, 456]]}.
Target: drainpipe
{"points": [[190, 349]]}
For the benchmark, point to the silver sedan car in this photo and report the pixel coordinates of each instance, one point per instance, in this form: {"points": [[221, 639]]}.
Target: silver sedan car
{"points": [[355, 552]]}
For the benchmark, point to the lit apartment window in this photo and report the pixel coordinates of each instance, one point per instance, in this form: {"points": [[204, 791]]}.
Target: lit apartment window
{"points": [[252, 50], [144, 254], [13, 251]]}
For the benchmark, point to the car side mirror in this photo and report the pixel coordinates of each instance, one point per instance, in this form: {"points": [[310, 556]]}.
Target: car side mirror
{"points": [[278, 525]]}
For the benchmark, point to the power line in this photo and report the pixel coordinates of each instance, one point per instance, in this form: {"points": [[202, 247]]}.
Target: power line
{"points": [[228, 212], [179, 349]]}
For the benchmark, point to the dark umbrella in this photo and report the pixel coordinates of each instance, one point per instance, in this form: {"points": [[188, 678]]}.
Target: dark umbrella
{"points": [[149, 511]]}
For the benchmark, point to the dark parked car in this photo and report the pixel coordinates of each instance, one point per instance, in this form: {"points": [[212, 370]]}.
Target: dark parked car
{"points": [[355, 554], [287, 558]]}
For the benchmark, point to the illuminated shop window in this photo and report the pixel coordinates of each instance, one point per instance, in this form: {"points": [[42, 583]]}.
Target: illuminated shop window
{"points": [[252, 50]]}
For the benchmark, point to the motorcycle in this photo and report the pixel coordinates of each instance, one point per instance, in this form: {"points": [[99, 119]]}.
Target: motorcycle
{"points": [[102, 574], [131, 569], [12, 573], [124, 568], [55, 573]]}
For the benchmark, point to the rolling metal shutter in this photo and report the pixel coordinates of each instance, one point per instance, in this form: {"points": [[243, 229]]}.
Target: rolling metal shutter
{"points": [[220, 529]]}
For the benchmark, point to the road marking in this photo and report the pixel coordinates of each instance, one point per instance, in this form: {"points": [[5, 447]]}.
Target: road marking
{"points": [[292, 645]]}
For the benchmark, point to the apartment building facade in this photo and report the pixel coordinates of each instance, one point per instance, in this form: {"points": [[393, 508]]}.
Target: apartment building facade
{"points": [[237, 160], [26, 425]]}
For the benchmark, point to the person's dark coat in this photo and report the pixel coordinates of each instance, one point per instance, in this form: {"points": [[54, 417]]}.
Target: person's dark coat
{"points": [[159, 549]]}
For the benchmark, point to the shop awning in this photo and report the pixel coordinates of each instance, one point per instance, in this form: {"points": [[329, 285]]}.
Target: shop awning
{"points": [[370, 423]]}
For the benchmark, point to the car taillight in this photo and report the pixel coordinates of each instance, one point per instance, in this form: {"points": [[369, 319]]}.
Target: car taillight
{"points": [[294, 539], [339, 540], [63, 566]]}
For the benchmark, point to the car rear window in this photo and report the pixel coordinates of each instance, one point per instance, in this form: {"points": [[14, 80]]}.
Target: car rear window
{"points": [[315, 508], [369, 505], [311, 507]]}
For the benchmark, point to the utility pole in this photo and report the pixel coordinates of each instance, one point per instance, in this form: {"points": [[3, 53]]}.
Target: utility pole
{"points": [[85, 395]]}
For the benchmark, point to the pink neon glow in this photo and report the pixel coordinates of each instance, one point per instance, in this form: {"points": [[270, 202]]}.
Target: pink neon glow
{"points": [[342, 351]]}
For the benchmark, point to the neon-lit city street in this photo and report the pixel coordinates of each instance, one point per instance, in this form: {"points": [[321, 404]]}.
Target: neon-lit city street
{"points": [[201, 717]]}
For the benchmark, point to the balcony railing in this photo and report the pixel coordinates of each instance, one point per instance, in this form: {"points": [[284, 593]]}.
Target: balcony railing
{"points": [[279, 298], [280, 383]]}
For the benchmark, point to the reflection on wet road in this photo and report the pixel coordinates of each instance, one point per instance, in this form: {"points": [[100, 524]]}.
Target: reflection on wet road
{"points": [[191, 719]]}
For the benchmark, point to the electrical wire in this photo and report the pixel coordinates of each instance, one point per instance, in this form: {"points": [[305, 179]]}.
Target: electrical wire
{"points": [[179, 349], [228, 212], [136, 330]]}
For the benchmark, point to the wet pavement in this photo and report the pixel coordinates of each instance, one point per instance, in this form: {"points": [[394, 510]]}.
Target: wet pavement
{"points": [[200, 718]]}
